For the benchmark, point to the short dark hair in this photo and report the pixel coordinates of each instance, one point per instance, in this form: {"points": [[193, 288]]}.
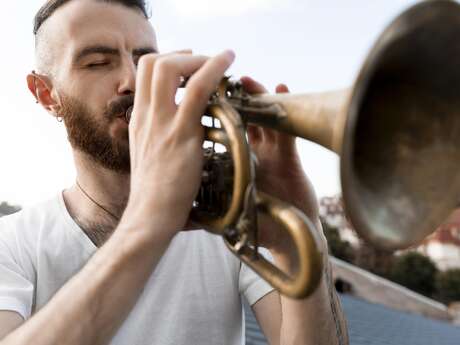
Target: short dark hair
{"points": [[51, 6]]}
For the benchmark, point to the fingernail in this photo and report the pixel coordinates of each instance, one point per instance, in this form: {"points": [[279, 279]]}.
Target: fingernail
{"points": [[185, 51], [230, 54]]}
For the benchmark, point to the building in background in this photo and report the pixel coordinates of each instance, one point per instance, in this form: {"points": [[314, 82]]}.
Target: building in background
{"points": [[331, 210], [443, 246]]}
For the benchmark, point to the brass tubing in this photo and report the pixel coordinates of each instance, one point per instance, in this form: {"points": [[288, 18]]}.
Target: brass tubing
{"points": [[235, 141], [316, 117], [216, 135], [307, 245]]}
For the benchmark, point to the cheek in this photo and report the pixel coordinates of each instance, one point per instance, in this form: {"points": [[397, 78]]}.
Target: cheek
{"points": [[96, 99], [118, 128], [93, 90]]}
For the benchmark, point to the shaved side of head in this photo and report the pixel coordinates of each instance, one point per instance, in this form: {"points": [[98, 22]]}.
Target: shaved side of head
{"points": [[44, 52]]}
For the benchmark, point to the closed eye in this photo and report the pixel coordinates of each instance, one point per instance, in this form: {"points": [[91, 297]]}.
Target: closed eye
{"points": [[97, 64]]}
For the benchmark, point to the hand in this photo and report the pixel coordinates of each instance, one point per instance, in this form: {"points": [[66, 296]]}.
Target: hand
{"points": [[165, 138], [280, 174]]}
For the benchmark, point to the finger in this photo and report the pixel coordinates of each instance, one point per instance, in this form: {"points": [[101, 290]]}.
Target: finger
{"points": [[182, 51], [144, 75], [272, 136], [251, 86], [144, 78], [200, 87], [255, 135], [282, 88], [167, 78], [285, 140], [269, 135]]}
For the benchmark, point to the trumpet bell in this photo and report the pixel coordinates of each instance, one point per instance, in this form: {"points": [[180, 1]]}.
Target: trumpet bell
{"points": [[397, 133], [401, 144]]}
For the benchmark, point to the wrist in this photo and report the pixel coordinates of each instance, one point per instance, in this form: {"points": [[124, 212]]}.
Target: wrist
{"points": [[285, 253], [154, 220]]}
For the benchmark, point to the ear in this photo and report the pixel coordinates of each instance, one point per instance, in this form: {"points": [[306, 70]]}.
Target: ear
{"points": [[41, 88]]}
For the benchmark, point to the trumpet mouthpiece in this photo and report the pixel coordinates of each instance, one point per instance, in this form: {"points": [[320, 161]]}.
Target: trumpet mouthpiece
{"points": [[128, 114]]}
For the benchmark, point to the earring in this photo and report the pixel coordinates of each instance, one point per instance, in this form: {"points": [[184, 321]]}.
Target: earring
{"points": [[59, 118], [35, 85]]}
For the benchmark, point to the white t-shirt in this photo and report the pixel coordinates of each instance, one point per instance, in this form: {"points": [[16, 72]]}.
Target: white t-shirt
{"points": [[192, 297]]}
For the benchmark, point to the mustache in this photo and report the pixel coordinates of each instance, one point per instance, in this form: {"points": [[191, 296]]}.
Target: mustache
{"points": [[119, 106]]}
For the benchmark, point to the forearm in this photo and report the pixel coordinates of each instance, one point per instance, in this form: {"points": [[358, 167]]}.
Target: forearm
{"points": [[318, 319], [94, 303], [166, 161]]}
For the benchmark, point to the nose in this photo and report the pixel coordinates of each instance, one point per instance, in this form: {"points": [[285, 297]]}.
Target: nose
{"points": [[127, 83]]}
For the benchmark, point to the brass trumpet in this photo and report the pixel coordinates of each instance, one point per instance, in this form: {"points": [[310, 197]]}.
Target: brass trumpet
{"points": [[397, 132]]}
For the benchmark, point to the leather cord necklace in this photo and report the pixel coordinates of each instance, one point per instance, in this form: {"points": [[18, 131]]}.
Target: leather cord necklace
{"points": [[96, 203]]}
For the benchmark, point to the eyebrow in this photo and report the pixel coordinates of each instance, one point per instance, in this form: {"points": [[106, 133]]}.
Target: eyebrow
{"points": [[100, 49]]}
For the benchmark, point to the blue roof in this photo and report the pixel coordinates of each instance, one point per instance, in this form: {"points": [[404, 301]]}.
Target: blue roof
{"points": [[374, 324]]}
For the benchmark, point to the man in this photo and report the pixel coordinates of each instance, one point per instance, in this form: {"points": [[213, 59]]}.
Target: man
{"points": [[107, 260]]}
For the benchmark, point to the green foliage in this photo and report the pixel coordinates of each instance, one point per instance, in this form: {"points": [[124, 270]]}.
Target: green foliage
{"points": [[337, 247], [416, 272], [448, 286], [374, 260]]}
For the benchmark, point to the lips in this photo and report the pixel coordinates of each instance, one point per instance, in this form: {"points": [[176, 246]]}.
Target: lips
{"points": [[120, 107], [125, 115]]}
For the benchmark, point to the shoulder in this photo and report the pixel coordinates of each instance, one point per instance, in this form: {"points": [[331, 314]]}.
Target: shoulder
{"points": [[30, 218], [21, 231]]}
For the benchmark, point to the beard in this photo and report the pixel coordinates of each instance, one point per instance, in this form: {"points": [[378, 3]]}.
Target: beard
{"points": [[89, 132]]}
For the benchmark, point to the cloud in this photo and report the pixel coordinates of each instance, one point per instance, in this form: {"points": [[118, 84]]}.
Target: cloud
{"points": [[222, 8]]}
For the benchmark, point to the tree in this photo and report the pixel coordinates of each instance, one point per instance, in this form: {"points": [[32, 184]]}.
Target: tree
{"points": [[337, 247], [372, 259], [416, 272], [448, 286]]}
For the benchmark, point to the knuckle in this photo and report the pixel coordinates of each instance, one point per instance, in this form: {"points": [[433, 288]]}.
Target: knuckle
{"points": [[147, 59], [198, 90], [164, 65], [157, 112], [188, 128]]}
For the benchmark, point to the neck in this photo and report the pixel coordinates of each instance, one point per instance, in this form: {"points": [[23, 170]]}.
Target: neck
{"points": [[107, 188]]}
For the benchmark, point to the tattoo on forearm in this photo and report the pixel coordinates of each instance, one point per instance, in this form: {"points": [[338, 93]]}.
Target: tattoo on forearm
{"points": [[336, 308]]}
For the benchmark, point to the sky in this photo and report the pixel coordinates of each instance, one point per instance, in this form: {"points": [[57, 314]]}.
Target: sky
{"points": [[310, 45]]}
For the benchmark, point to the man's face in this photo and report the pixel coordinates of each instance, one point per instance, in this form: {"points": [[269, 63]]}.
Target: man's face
{"points": [[95, 49]]}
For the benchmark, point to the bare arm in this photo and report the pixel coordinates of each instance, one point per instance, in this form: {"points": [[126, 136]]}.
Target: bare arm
{"points": [[267, 311], [9, 321], [318, 319], [83, 312], [165, 147]]}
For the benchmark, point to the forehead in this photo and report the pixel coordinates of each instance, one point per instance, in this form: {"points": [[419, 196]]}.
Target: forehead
{"points": [[87, 22]]}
